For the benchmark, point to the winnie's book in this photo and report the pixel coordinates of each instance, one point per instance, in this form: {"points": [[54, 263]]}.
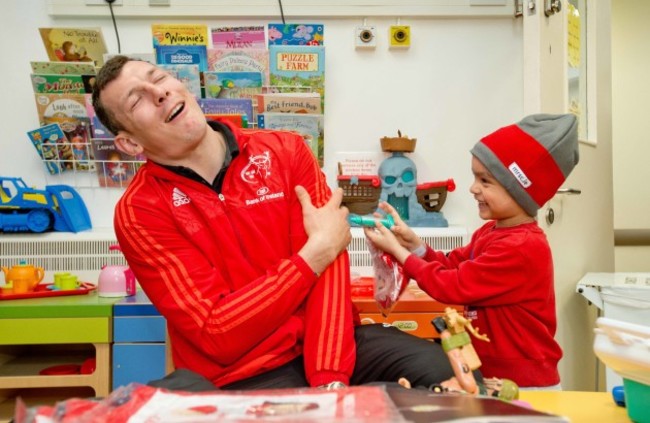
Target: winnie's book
{"points": [[45, 139], [179, 35], [182, 55], [74, 44], [239, 37], [298, 66], [63, 68], [239, 60], [310, 126], [295, 34]]}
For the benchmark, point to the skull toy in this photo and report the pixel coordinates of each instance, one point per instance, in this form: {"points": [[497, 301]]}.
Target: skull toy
{"points": [[398, 176]]}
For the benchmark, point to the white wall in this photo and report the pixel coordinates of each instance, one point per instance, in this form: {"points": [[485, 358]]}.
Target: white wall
{"points": [[631, 129], [461, 79]]}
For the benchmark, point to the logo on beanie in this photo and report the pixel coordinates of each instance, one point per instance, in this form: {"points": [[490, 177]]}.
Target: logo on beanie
{"points": [[519, 175]]}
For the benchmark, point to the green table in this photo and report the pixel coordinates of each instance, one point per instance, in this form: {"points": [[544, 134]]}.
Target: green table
{"points": [[38, 333]]}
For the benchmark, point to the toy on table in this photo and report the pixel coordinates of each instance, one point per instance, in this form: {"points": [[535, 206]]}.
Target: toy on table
{"points": [[22, 277], [116, 280], [25, 209], [456, 342], [618, 393], [417, 205], [458, 346]]}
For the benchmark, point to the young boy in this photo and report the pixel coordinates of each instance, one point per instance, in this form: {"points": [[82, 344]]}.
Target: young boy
{"points": [[505, 274]]}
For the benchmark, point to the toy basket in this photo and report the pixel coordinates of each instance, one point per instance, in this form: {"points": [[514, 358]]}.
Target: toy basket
{"points": [[432, 195]]}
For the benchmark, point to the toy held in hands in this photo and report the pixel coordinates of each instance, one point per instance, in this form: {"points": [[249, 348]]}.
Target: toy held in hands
{"points": [[369, 221], [389, 279]]}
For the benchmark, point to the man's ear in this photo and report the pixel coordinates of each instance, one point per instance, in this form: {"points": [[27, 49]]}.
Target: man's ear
{"points": [[127, 145]]}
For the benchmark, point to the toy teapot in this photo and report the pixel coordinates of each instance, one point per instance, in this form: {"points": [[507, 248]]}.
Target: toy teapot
{"points": [[23, 274], [115, 280]]}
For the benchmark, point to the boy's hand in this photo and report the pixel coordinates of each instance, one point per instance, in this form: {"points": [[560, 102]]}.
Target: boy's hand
{"points": [[385, 240], [403, 233], [327, 228]]}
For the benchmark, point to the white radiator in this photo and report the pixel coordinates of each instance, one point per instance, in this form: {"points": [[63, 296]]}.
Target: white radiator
{"points": [[443, 239], [85, 253], [82, 253]]}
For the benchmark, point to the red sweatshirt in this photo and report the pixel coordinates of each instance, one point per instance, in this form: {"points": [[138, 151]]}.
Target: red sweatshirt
{"points": [[505, 277], [223, 269]]}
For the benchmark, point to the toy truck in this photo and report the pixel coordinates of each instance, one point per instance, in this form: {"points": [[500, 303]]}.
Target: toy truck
{"points": [[25, 209]]}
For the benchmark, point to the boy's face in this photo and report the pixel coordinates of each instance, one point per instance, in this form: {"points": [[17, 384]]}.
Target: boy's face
{"points": [[494, 202]]}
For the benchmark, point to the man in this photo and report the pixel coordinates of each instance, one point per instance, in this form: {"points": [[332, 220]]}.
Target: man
{"points": [[221, 233]]}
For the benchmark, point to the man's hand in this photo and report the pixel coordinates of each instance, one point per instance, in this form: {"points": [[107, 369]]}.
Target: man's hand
{"points": [[327, 228]]}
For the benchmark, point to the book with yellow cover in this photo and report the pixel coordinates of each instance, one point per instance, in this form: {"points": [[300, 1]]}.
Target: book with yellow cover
{"points": [[74, 44], [179, 35]]}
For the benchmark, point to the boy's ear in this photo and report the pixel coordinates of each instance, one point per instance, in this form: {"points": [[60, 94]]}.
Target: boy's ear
{"points": [[126, 144]]}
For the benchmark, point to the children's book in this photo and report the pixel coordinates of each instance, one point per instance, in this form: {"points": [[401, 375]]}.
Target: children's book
{"points": [[145, 57], [239, 60], [179, 35], [75, 152], [238, 120], [45, 139], [114, 168], [74, 44], [63, 68], [65, 105], [310, 126], [289, 103], [298, 66], [232, 84], [182, 55], [239, 37], [227, 106], [69, 111], [189, 75], [423, 406], [296, 34], [97, 128], [76, 84]]}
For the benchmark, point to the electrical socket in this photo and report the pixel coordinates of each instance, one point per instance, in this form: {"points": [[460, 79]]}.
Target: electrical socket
{"points": [[399, 36], [102, 3], [365, 37]]}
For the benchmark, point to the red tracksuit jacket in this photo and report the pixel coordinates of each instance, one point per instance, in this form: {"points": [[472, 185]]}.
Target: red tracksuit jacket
{"points": [[223, 269], [505, 276]]}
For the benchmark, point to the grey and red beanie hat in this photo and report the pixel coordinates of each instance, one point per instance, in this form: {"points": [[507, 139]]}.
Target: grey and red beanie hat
{"points": [[532, 158]]}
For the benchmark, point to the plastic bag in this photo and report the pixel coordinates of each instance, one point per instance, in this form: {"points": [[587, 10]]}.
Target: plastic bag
{"points": [[389, 279]]}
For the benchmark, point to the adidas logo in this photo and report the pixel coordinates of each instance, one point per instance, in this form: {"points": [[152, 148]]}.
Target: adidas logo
{"points": [[179, 198]]}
